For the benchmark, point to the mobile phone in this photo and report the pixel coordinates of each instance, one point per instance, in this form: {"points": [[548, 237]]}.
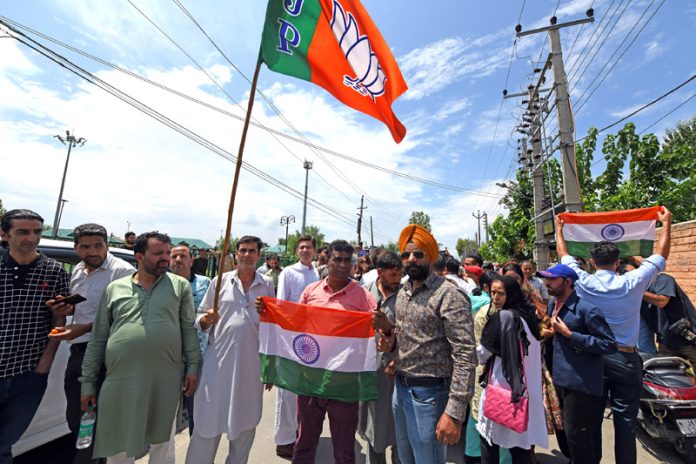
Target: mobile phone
{"points": [[73, 299]]}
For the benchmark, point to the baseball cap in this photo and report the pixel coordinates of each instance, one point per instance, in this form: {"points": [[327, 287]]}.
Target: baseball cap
{"points": [[559, 270]]}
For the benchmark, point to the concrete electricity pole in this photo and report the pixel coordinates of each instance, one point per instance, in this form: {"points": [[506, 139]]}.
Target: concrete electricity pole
{"points": [[360, 216], [307, 166], [541, 248], [571, 184], [71, 142], [485, 225], [478, 217], [372, 236]]}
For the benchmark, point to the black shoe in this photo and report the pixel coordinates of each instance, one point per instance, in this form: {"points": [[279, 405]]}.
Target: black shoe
{"points": [[285, 451]]}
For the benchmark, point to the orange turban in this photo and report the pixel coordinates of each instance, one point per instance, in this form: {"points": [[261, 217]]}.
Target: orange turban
{"points": [[421, 238]]}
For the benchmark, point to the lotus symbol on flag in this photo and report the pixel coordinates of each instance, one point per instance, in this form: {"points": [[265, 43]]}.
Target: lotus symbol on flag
{"points": [[612, 232], [369, 77], [306, 348]]}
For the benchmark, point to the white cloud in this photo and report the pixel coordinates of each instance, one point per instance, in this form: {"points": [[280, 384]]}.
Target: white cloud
{"points": [[432, 68], [654, 49], [452, 107]]}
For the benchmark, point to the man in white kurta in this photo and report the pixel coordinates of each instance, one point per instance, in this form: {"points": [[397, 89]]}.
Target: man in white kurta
{"points": [[291, 282], [229, 398]]}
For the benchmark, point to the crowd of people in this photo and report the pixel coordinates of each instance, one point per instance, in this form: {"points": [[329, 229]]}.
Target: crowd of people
{"points": [[498, 356]]}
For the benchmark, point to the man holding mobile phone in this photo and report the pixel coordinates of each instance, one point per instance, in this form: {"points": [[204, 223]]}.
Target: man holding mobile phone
{"points": [[28, 281], [96, 270]]}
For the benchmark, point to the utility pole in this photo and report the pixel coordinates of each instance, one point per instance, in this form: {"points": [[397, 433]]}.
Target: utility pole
{"points": [[478, 217], [307, 166], [541, 248], [372, 236], [286, 221], [566, 126], [360, 215], [71, 142], [485, 225]]}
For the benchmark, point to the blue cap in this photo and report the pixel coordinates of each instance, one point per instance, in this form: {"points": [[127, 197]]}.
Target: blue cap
{"points": [[559, 270]]}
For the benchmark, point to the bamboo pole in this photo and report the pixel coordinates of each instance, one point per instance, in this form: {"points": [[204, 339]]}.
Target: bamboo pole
{"points": [[233, 194]]}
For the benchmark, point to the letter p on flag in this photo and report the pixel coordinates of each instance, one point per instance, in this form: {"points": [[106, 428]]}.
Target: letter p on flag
{"points": [[335, 44]]}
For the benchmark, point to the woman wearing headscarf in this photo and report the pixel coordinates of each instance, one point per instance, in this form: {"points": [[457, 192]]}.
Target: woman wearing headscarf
{"points": [[507, 331]]}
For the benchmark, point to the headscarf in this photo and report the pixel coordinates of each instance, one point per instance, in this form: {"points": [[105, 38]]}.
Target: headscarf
{"points": [[504, 335], [474, 270], [422, 238]]}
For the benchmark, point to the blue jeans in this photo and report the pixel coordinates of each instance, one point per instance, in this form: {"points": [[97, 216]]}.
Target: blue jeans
{"points": [[646, 338], [20, 397], [623, 382], [416, 413]]}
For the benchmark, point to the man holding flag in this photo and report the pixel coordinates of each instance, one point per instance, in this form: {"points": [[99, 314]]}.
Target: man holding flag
{"points": [[310, 369], [619, 298]]}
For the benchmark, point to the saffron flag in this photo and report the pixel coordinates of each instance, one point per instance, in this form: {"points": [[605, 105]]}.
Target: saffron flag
{"points": [[633, 231], [325, 352], [335, 44]]}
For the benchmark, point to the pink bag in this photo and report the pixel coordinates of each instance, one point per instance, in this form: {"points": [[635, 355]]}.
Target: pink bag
{"points": [[499, 408]]}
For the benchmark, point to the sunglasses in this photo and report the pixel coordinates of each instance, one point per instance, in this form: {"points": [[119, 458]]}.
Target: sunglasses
{"points": [[418, 254]]}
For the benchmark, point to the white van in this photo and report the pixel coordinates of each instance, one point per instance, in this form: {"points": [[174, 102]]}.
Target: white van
{"points": [[49, 422]]}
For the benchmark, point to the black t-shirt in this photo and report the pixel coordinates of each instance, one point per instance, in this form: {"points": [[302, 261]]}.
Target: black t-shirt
{"points": [[660, 319]]}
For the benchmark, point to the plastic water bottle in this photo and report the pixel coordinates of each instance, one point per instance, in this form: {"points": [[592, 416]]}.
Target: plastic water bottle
{"points": [[84, 436]]}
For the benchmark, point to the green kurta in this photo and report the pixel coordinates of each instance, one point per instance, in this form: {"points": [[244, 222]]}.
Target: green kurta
{"points": [[146, 340]]}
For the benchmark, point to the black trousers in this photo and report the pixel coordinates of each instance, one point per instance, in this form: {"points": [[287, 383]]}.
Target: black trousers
{"points": [[490, 454], [73, 412], [578, 424]]}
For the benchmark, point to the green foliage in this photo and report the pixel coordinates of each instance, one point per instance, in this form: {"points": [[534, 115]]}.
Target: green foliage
{"points": [[420, 218], [639, 172], [513, 236], [391, 246], [295, 236], [465, 246], [2, 209]]}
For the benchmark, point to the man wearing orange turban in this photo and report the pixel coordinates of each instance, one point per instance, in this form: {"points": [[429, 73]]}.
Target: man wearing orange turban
{"points": [[422, 238], [434, 345]]}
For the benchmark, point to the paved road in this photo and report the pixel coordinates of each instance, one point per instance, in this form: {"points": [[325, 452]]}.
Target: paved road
{"points": [[263, 452]]}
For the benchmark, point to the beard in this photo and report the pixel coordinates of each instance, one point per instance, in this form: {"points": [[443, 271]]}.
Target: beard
{"points": [[417, 272]]}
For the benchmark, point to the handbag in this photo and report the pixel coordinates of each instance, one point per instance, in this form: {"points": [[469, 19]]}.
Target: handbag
{"points": [[499, 408]]}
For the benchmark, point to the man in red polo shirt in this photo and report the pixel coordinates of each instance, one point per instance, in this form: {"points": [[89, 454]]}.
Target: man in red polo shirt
{"points": [[338, 291]]}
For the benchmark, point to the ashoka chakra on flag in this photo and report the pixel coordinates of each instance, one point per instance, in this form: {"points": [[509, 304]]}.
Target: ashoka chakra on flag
{"points": [[632, 231], [325, 352]]}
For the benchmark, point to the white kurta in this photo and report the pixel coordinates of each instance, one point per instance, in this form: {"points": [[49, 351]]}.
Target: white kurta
{"points": [[229, 397], [536, 433]]}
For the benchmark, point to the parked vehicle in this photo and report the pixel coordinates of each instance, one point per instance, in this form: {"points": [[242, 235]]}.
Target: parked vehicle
{"points": [[668, 403], [49, 422]]}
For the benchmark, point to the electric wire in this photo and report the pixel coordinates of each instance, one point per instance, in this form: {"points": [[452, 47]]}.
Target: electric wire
{"points": [[581, 105], [282, 117], [241, 118], [86, 75]]}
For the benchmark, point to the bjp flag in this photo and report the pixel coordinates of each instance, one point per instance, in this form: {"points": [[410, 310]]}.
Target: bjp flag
{"points": [[335, 44]]}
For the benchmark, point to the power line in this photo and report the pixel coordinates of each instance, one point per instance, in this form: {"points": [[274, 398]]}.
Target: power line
{"points": [[669, 113], [572, 68], [241, 118], [86, 75], [282, 117], [621, 55]]}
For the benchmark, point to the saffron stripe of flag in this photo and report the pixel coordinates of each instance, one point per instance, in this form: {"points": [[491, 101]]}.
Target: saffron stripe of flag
{"points": [[324, 352], [632, 231]]}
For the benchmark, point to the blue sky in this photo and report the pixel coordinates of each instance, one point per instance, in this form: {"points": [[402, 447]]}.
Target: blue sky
{"points": [[455, 57]]}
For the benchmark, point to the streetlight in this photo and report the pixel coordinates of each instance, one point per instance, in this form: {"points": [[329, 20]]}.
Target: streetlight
{"points": [[286, 221], [71, 142]]}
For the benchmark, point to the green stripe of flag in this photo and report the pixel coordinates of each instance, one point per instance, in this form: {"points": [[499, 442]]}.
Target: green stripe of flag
{"points": [[282, 28], [627, 248], [311, 381]]}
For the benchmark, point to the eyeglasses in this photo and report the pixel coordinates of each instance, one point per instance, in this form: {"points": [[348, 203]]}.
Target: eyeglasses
{"points": [[418, 254]]}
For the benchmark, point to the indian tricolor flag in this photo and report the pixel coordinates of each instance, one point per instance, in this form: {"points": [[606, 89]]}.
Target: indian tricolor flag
{"points": [[325, 352], [335, 44], [633, 230]]}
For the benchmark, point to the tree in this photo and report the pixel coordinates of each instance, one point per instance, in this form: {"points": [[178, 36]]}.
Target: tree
{"points": [[420, 218], [295, 236], [2, 209], [465, 246], [640, 172]]}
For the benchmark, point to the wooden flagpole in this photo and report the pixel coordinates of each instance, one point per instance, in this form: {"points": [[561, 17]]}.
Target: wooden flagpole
{"points": [[233, 194]]}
